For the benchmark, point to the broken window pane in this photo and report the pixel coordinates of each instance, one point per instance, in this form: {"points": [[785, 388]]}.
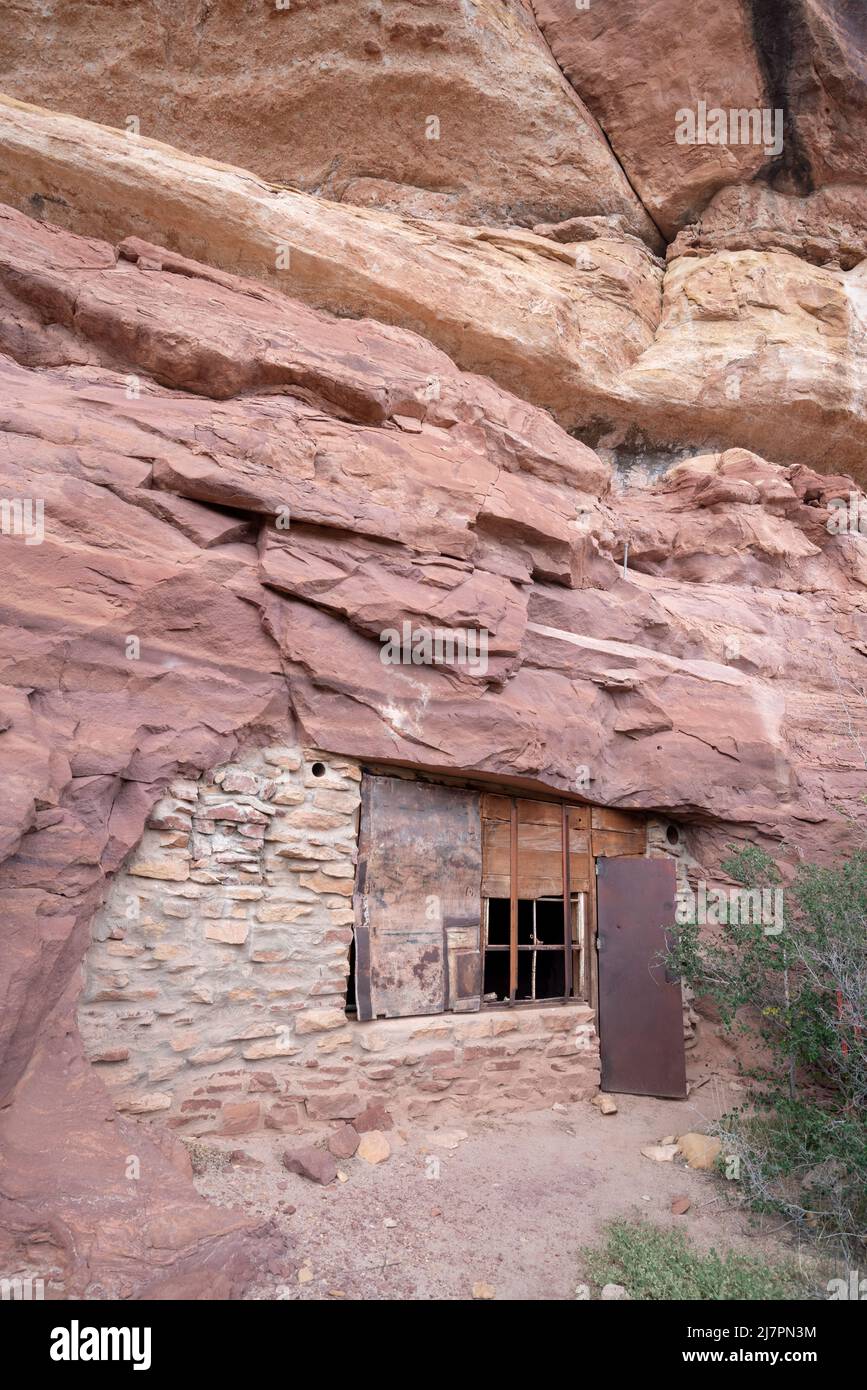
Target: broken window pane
{"points": [[541, 948]]}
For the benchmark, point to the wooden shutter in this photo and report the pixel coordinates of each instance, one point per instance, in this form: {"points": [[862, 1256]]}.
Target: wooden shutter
{"points": [[496, 812], [417, 899], [617, 833], [540, 848]]}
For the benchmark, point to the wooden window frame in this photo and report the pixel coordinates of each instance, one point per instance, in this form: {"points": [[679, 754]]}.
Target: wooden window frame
{"points": [[572, 988], [568, 872], [578, 920]]}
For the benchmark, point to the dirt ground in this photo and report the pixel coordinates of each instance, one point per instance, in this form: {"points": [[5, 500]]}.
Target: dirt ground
{"points": [[510, 1204]]}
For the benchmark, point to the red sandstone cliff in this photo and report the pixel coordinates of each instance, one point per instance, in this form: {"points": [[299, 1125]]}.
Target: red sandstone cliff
{"points": [[401, 384]]}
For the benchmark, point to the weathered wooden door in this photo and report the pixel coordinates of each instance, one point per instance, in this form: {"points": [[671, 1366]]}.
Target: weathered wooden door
{"points": [[640, 1009], [417, 899]]}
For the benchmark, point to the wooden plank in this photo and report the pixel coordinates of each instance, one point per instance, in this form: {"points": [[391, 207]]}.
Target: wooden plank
{"points": [[496, 834], [580, 859], [496, 807], [538, 888], [607, 818], [581, 880], [539, 813], [464, 958], [418, 899], [498, 860], [540, 845], [591, 963], [494, 886], [613, 844], [539, 838], [579, 840], [496, 857], [617, 833]]}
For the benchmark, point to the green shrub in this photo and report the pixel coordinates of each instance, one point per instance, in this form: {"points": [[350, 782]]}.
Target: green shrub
{"points": [[801, 1144]]}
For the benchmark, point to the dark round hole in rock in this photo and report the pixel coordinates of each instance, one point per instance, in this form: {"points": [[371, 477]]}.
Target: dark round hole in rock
{"points": [[672, 835], [318, 769]]}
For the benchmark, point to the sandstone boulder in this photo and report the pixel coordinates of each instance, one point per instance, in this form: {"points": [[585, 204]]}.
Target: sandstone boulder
{"points": [[344, 1141], [373, 1147], [659, 1153], [309, 1162], [699, 1150]]}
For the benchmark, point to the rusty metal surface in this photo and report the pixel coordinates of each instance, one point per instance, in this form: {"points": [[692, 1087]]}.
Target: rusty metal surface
{"points": [[417, 899], [640, 1011]]}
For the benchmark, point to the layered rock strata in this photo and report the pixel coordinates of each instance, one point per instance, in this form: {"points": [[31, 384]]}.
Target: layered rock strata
{"points": [[217, 499]]}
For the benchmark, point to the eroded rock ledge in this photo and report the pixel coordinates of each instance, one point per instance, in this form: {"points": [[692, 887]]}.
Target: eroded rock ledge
{"points": [[729, 347], [442, 110]]}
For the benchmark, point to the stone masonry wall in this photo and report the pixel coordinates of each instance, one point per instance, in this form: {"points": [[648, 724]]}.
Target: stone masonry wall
{"points": [[215, 987], [659, 844], [226, 937]]}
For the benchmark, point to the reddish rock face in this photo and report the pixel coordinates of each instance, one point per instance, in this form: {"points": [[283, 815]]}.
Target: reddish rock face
{"points": [[226, 496], [97, 1205], [439, 110], [639, 64], [827, 227], [218, 493]]}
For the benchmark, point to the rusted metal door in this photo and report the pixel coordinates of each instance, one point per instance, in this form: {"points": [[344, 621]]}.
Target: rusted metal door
{"points": [[417, 899], [640, 1009]]}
